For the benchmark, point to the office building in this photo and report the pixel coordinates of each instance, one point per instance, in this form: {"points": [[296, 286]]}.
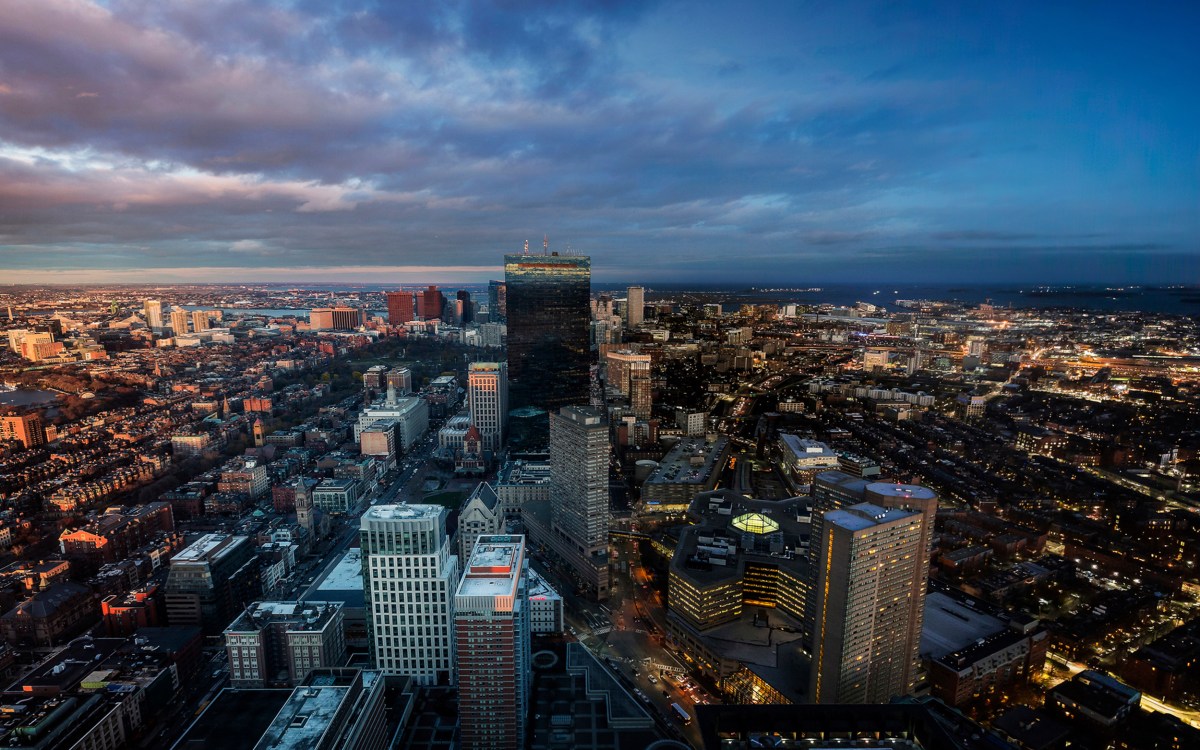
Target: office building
{"points": [[521, 481], [399, 379], [400, 308], [331, 709], [467, 312], [635, 303], [179, 321], [870, 597], [620, 366], [410, 414], [549, 357], [210, 581], [487, 396], [335, 318], [640, 398], [492, 630], [276, 644], [409, 578], [497, 301], [336, 495], [24, 428], [154, 315], [579, 457], [430, 303]]}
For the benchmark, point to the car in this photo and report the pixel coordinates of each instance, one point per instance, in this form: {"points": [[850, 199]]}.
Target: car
{"points": [[653, 680]]}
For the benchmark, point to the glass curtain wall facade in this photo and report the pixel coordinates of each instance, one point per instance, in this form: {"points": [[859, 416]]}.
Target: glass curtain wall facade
{"points": [[549, 354]]}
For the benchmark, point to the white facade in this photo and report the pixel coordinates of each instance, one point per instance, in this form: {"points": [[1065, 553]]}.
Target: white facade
{"points": [[545, 606], [409, 579], [487, 393], [410, 412]]}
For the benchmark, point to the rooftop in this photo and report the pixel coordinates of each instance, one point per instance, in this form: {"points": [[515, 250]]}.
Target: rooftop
{"points": [[403, 511], [208, 548], [951, 625]]}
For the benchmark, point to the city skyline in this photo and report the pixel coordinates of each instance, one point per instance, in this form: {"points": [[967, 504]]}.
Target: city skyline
{"points": [[157, 143]]}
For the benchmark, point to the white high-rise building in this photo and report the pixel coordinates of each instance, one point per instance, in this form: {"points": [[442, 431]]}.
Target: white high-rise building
{"points": [[154, 318], [487, 396], [409, 579], [579, 452], [635, 301], [492, 626]]}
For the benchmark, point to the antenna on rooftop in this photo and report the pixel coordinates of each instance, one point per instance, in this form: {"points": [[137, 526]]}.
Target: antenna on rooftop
{"points": [[527, 247], [545, 244]]}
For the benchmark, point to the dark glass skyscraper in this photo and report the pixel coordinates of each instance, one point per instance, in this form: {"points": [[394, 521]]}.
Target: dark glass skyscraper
{"points": [[548, 317], [497, 301]]}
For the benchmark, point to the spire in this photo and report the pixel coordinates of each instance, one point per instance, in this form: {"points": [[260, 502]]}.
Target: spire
{"points": [[545, 244], [527, 247]]}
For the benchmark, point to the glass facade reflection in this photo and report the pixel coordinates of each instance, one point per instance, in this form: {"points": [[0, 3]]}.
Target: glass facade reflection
{"points": [[548, 317]]}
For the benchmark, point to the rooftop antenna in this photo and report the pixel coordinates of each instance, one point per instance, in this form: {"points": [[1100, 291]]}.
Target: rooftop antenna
{"points": [[527, 247], [545, 244]]}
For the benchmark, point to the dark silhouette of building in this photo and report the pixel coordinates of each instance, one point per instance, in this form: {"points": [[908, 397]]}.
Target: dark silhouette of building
{"points": [[467, 312], [430, 303], [548, 319], [497, 301]]}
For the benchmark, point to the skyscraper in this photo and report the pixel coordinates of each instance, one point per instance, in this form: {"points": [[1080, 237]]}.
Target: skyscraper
{"points": [[400, 308], [835, 490], [870, 599], [497, 301], [579, 455], [409, 577], [640, 399], [487, 397], [468, 311], [154, 318], [429, 303], [635, 302], [548, 317], [492, 626]]}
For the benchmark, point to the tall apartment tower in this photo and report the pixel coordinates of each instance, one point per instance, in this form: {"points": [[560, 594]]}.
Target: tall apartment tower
{"points": [[487, 397], [549, 357], [492, 629], [154, 318], [409, 579], [400, 307], [835, 490], [579, 455], [635, 302], [200, 320], [179, 320], [640, 399], [870, 599], [497, 301]]}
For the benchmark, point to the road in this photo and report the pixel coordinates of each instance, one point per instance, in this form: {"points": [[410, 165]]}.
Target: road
{"points": [[1149, 703], [626, 633]]}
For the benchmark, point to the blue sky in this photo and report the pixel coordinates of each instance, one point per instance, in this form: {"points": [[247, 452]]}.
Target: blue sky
{"points": [[213, 140]]}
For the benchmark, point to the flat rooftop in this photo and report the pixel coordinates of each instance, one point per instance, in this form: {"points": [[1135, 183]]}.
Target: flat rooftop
{"points": [[951, 625], [305, 718], [209, 547], [676, 467], [341, 581], [492, 570], [234, 720], [864, 516], [403, 511]]}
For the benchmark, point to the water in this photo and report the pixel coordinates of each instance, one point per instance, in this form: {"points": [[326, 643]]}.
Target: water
{"points": [[1173, 301], [26, 397], [269, 312]]}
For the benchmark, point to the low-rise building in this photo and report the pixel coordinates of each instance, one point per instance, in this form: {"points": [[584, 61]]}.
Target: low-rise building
{"points": [[276, 644]]}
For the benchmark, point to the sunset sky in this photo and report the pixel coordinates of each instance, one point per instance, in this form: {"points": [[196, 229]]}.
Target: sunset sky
{"points": [[228, 140]]}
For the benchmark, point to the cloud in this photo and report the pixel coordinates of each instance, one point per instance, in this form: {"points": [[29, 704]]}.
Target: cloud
{"points": [[165, 132]]}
